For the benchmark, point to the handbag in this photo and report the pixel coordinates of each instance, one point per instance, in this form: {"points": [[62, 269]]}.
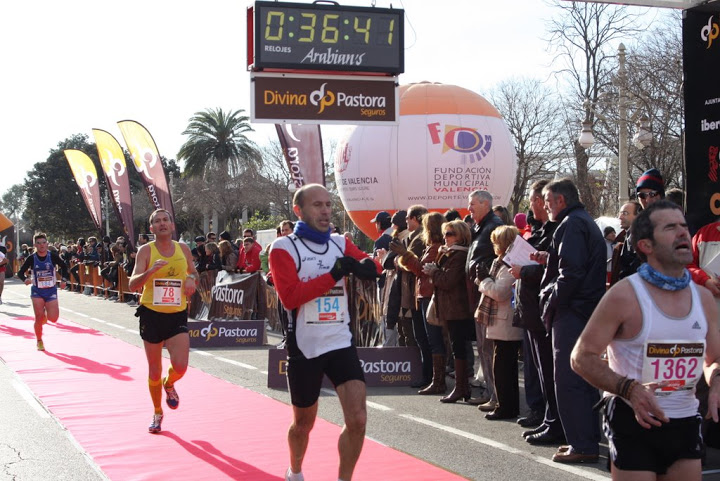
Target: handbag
{"points": [[431, 315]]}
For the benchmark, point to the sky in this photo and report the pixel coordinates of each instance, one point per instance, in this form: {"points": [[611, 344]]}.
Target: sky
{"points": [[69, 67]]}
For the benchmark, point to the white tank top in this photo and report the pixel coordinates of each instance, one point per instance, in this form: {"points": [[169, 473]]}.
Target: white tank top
{"points": [[666, 349], [322, 324]]}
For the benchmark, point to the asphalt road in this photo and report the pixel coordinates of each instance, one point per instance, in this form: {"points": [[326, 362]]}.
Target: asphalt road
{"points": [[34, 446]]}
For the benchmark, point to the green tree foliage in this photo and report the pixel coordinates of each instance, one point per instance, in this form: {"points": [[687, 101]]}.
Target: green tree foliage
{"points": [[12, 202], [217, 142], [54, 204]]}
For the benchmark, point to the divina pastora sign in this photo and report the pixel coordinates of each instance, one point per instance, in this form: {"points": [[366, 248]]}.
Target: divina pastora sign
{"points": [[315, 99], [383, 366], [226, 333]]}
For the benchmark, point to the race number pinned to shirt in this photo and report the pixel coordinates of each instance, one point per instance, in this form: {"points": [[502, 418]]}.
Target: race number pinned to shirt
{"points": [[45, 279], [167, 292], [330, 308], [677, 364]]}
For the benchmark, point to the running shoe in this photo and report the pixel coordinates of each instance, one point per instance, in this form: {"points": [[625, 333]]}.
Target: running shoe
{"points": [[40, 346], [155, 425], [290, 476], [172, 399]]}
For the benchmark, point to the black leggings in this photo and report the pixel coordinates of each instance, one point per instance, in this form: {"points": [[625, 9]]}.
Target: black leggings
{"points": [[460, 332]]}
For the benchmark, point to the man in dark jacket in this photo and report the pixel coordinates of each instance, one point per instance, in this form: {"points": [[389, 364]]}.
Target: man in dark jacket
{"points": [[527, 316], [477, 265], [573, 283]]}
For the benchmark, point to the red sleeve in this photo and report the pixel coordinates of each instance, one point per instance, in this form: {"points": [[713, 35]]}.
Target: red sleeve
{"points": [[292, 291], [699, 276], [252, 259], [354, 251]]}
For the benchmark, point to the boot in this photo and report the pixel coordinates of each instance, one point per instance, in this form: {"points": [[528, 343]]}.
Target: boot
{"points": [[438, 380], [462, 388]]}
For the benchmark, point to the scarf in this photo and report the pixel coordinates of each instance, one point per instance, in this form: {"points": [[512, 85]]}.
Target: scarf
{"points": [[658, 279], [304, 231], [486, 312]]}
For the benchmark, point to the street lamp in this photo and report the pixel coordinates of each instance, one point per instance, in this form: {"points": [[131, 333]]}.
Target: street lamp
{"points": [[641, 139]]}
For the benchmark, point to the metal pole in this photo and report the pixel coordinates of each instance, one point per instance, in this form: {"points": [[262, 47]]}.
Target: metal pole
{"points": [[107, 215], [622, 113]]}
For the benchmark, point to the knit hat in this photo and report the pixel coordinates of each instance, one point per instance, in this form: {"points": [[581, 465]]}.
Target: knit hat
{"points": [[651, 179], [520, 220], [608, 230]]}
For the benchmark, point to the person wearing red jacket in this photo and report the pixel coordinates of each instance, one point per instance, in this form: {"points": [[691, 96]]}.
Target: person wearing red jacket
{"points": [[308, 268], [705, 246]]}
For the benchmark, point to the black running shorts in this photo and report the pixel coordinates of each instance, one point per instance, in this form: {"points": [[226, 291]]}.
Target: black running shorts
{"points": [[157, 327], [305, 376], [634, 448]]}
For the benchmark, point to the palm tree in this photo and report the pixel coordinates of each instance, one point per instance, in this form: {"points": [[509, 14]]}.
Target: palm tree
{"points": [[217, 143]]}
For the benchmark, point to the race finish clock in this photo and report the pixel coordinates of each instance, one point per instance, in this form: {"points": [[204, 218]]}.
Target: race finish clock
{"points": [[313, 36]]}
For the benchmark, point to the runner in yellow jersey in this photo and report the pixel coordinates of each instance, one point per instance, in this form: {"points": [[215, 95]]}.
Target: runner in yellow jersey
{"points": [[165, 274]]}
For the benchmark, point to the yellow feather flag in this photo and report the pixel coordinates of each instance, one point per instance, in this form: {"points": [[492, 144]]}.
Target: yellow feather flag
{"points": [[87, 180]]}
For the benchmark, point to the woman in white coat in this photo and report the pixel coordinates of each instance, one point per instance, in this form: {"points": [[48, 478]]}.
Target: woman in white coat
{"points": [[495, 311]]}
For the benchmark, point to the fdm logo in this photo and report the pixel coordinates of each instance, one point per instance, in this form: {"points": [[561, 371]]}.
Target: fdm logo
{"points": [[467, 141], [710, 32]]}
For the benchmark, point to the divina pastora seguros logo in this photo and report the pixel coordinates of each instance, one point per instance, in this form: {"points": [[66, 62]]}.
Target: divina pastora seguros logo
{"points": [[324, 98]]}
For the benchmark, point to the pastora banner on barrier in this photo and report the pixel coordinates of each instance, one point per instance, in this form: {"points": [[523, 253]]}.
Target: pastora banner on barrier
{"points": [[383, 366], [223, 296], [226, 333]]}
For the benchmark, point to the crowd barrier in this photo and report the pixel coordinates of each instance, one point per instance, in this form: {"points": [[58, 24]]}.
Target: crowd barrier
{"points": [[222, 297]]}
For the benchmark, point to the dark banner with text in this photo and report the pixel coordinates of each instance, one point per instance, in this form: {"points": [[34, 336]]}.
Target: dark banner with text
{"points": [[383, 366], [226, 333], [307, 99], [701, 66], [223, 296], [302, 148]]}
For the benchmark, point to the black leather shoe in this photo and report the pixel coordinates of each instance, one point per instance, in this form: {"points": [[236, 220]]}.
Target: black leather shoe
{"points": [[420, 383], [532, 420], [537, 430], [496, 415], [571, 457], [545, 438]]}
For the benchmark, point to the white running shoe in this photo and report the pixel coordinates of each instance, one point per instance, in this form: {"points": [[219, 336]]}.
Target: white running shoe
{"points": [[290, 476], [155, 426]]}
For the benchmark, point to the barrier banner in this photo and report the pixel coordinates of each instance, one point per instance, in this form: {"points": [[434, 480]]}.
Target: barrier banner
{"points": [[226, 333], [364, 312], [86, 177], [383, 367], [224, 296], [302, 148], [701, 67], [7, 238], [117, 179], [146, 159]]}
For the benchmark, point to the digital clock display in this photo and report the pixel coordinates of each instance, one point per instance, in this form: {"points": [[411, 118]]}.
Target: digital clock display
{"points": [[304, 36]]}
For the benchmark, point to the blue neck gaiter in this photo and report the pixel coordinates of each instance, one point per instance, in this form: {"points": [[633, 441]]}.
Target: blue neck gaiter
{"points": [[658, 279], [304, 231]]}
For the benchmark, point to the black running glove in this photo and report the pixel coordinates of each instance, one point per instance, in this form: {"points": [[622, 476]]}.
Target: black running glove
{"points": [[365, 270], [342, 267]]}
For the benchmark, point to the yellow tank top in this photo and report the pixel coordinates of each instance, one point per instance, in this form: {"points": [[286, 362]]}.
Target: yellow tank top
{"points": [[163, 291]]}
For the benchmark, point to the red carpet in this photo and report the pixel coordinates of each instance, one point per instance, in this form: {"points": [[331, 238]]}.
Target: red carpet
{"points": [[96, 386]]}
